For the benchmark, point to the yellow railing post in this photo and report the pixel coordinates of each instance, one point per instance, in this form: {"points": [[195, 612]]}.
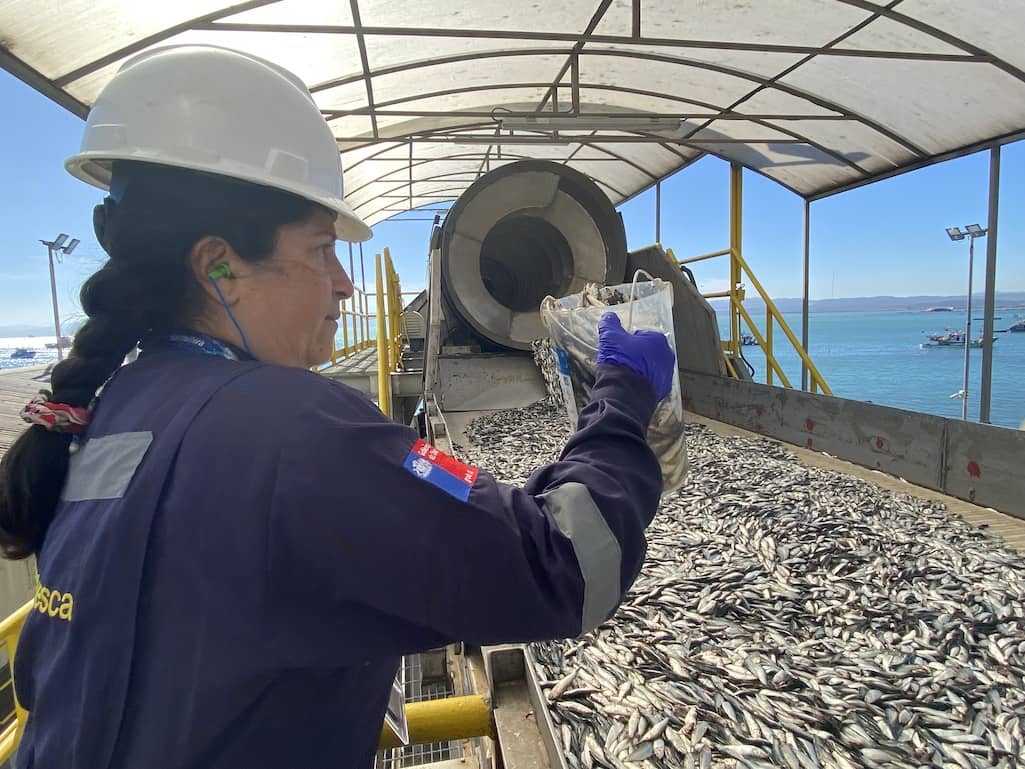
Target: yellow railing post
{"points": [[778, 316], [383, 370], [736, 233], [10, 632], [737, 312], [394, 311], [345, 330]]}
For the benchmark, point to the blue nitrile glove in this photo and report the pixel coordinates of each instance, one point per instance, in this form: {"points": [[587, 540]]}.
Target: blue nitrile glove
{"points": [[644, 352]]}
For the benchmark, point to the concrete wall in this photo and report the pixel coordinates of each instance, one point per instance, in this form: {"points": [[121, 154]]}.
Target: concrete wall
{"points": [[974, 462]]}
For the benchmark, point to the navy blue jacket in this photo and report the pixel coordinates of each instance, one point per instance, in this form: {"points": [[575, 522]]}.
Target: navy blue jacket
{"points": [[243, 552]]}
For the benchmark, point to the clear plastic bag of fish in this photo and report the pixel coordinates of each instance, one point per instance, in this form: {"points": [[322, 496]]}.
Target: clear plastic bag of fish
{"points": [[571, 366]]}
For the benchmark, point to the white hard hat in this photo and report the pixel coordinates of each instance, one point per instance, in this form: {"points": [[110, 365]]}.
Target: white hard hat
{"points": [[222, 112]]}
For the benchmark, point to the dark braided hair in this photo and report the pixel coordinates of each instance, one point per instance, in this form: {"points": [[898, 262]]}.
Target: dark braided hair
{"points": [[148, 225]]}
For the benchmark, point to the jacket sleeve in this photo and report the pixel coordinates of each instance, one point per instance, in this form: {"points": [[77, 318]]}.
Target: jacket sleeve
{"points": [[420, 567]]}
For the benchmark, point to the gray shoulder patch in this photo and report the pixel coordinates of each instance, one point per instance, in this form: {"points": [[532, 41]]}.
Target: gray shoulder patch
{"points": [[597, 549], [103, 467]]}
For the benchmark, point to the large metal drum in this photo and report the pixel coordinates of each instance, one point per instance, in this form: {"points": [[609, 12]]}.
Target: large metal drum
{"points": [[519, 233]]}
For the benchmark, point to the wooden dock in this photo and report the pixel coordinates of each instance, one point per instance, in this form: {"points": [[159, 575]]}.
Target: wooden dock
{"points": [[17, 386]]}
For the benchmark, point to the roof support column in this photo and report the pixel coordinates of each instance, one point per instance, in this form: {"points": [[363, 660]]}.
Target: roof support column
{"points": [[991, 280], [804, 295], [658, 211], [736, 237]]}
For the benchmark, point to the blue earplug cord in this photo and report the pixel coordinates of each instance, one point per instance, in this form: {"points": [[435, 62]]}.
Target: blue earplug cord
{"points": [[213, 280]]}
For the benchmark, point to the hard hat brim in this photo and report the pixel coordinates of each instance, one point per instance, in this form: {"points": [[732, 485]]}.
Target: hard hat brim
{"points": [[94, 168]]}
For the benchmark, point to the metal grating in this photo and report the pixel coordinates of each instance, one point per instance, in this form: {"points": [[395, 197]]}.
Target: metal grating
{"points": [[416, 690]]}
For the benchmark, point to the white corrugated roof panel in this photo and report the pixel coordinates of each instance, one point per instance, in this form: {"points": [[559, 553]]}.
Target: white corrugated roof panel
{"points": [[819, 95]]}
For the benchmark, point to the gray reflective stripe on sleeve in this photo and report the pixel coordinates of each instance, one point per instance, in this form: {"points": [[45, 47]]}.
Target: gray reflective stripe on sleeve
{"points": [[103, 467], [596, 548]]}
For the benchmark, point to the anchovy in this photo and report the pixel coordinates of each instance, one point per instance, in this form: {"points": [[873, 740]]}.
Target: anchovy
{"points": [[785, 615]]}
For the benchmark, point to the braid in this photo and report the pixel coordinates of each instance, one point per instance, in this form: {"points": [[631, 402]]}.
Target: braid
{"points": [[145, 289]]}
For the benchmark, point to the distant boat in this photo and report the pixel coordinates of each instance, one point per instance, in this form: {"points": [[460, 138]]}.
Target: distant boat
{"points": [[1018, 325], [940, 309], [748, 341], [23, 352], [65, 342], [954, 339]]}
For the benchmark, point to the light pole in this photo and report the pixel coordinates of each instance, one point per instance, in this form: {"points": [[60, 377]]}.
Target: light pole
{"points": [[56, 246], [973, 231]]}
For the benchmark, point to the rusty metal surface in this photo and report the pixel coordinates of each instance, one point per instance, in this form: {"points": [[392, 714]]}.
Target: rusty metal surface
{"points": [[975, 462]]}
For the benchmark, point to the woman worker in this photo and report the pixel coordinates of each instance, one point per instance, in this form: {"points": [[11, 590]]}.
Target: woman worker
{"points": [[218, 528]]}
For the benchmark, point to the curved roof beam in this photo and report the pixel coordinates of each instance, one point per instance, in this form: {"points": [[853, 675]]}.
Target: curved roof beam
{"points": [[773, 82], [920, 26], [405, 182], [840, 158], [158, 37], [572, 37], [643, 56]]}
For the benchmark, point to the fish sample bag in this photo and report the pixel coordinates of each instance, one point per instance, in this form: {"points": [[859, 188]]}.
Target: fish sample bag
{"points": [[570, 367]]}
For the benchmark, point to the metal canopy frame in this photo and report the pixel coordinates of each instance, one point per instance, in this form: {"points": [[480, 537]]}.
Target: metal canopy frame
{"points": [[778, 90], [782, 144]]}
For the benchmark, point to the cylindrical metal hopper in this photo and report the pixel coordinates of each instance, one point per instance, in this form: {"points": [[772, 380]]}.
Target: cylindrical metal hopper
{"points": [[519, 233]]}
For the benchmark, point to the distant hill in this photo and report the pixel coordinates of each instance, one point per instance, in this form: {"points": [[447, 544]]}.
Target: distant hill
{"points": [[1004, 300], [18, 329]]}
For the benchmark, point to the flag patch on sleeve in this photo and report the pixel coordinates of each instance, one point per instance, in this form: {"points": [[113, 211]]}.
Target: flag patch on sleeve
{"points": [[439, 469]]}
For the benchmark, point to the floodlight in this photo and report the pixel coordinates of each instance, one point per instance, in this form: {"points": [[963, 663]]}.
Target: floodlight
{"points": [[955, 233], [71, 246], [59, 241], [974, 229]]}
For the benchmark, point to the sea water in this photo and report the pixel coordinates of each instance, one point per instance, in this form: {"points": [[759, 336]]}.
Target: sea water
{"points": [[37, 344], [877, 357], [867, 356]]}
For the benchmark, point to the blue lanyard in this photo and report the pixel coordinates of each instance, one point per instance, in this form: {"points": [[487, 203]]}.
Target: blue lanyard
{"points": [[200, 343]]}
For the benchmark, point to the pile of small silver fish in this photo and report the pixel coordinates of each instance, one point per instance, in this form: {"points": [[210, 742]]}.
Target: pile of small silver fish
{"points": [[786, 616]]}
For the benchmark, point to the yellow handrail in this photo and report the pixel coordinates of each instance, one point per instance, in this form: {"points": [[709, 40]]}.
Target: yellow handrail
{"points": [[383, 366], [441, 720], [355, 326], [10, 631], [736, 295]]}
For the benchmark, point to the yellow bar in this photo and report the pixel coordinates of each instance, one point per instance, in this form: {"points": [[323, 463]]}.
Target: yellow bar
{"points": [[730, 367], [703, 257], [367, 314], [812, 370], [761, 341], [10, 632], [768, 341], [390, 297], [345, 327], [444, 720], [736, 230], [11, 626], [383, 378]]}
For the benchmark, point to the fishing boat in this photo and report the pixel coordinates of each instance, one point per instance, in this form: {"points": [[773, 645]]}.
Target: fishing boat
{"points": [[1018, 325], [65, 342], [23, 352], [955, 339]]}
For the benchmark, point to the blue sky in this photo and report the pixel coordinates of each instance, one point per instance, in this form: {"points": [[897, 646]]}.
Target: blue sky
{"points": [[887, 238]]}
